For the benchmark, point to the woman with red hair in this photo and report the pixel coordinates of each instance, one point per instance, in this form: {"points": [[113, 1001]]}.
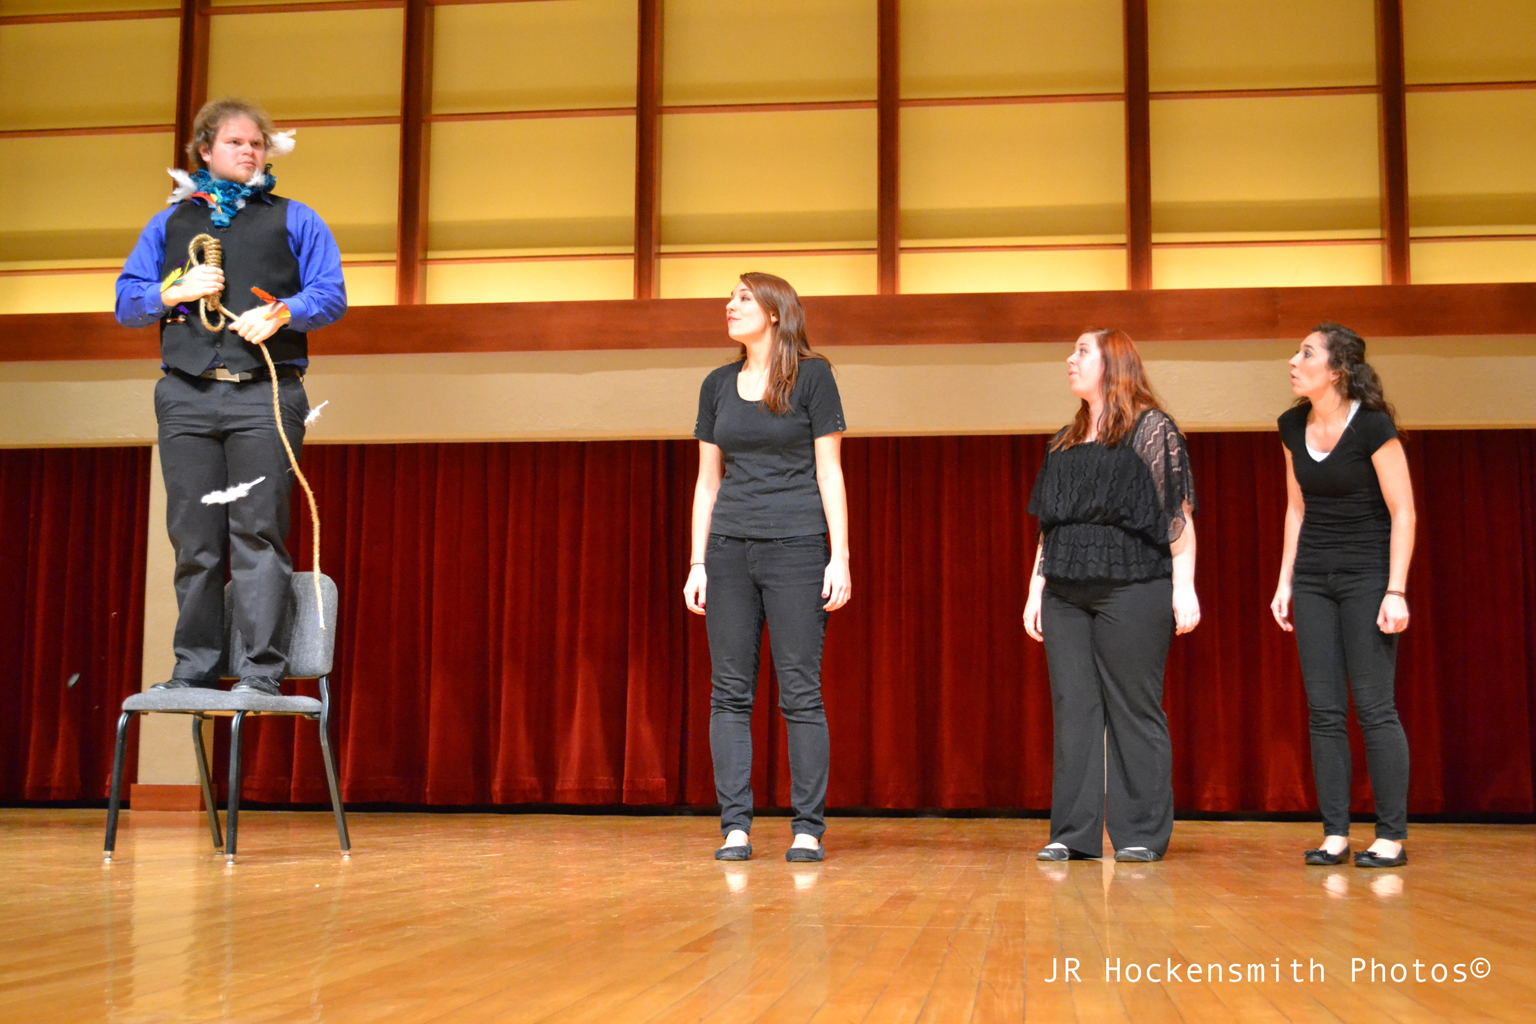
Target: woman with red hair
{"points": [[1114, 579]]}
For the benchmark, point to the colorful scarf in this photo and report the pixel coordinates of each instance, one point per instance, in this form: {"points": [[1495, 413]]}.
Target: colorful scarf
{"points": [[225, 198]]}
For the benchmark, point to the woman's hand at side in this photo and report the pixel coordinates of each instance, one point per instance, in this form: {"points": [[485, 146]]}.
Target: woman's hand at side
{"points": [[1280, 606], [693, 590], [1032, 608], [1393, 617], [836, 584], [1036, 596], [1186, 608]]}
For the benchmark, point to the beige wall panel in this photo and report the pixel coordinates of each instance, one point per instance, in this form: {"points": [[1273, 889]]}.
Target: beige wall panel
{"points": [[1472, 262], [1261, 44], [1010, 47], [1472, 160], [45, 185], [9, 8], [531, 184], [369, 286], [1035, 170], [309, 64], [88, 74], [770, 51], [1045, 271], [58, 293], [531, 281], [1469, 40], [754, 179], [1230, 167], [350, 176], [938, 389], [534, 56], [690, 277], [1260, 266]]}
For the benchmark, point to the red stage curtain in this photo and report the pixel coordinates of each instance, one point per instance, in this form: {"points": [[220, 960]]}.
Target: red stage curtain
{"points": [[513, 631], [73, 528]]}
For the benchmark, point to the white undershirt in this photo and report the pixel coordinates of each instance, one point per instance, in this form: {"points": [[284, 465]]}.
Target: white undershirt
{"points": [[1318, 456]]}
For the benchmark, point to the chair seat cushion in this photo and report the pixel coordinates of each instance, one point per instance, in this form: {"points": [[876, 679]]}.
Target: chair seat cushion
{"points": [[194, 699]]}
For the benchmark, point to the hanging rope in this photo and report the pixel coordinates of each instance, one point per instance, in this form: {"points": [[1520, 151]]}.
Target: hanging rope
{"points": [[314, 508], [205, 249]]}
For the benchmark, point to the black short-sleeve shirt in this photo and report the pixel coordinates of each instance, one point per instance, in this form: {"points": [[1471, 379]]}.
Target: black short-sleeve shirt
{"points": [[1346, 526], [769, 488]]}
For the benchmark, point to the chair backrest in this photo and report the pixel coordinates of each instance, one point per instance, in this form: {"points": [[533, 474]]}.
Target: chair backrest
{"points": [[309, 648]]}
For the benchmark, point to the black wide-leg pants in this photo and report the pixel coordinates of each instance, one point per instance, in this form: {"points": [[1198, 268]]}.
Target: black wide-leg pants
{"points": [[1107, 646], [213, 435], [1343, 652], [777, 581]]}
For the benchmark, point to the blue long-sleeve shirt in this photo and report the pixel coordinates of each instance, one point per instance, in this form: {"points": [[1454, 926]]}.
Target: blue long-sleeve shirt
{"points": [[322, 295]]}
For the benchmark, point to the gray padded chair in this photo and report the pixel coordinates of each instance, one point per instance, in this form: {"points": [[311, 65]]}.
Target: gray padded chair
{"points": [[310, 650]]}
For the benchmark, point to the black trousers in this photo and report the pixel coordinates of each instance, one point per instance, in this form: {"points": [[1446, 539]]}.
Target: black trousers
{"points": [[1342, 652], [1107, 645], [213, 435], [777, 581]]}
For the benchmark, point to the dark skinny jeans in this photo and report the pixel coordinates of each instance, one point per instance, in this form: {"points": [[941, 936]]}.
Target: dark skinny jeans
{"points": [[1343, 651], [777, 581]]}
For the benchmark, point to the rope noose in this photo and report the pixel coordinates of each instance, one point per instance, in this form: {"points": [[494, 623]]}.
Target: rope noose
{"points": [[206, 249]]}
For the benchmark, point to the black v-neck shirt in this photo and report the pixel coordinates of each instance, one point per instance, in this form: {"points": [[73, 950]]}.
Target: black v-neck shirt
{"points": [[1346, 526], [769, 489]]}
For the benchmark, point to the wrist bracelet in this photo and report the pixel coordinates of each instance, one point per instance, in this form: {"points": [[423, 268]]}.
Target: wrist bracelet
{"points": [[692, 564], [1398, 593]]}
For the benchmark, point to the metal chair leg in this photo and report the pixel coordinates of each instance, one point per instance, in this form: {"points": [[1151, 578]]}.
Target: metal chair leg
{"points": [[114, 797], [234, 784], [207, 783], [330, 767]]}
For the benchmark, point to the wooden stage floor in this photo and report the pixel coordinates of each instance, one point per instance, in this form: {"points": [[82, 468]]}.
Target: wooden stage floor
{"points": [[460, 918]]}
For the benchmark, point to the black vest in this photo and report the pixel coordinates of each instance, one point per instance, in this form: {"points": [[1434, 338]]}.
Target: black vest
{"points": [[256, 252]]}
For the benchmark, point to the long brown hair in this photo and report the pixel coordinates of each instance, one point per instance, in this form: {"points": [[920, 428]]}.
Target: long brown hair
{"points": [[1357, 378], [1126, 392], [780, 301]]}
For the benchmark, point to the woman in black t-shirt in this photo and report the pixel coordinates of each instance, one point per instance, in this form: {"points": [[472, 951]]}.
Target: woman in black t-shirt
{"points": [[769, 498], [1349, 525], [1114, 579]]}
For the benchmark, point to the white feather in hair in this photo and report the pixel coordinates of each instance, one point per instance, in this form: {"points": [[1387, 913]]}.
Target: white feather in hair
{"points": [[281, 144], [234, 493]]}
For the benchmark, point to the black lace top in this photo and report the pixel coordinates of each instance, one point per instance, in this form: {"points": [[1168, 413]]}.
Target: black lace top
{"points": [[1112, 513]]}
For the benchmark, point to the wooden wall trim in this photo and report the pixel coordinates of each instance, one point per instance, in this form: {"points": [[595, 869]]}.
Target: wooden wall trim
{"points": [[1138, 148], [1224, 314], [888, 145], [415, 155], [191, 74], [648, 151], [1392, 122]]}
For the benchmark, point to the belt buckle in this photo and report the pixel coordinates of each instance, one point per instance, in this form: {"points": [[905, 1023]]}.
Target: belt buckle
{"points": [[221, 373]]}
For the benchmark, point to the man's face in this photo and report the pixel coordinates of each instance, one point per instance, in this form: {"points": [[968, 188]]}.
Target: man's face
{"points": [[238, 150]]}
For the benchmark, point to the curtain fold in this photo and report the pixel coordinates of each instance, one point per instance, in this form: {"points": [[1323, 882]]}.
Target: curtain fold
{"points": [[72, 553]]}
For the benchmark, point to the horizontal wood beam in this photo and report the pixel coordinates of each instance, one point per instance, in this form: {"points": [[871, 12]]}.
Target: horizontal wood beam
{"points": [[1221, 314]]}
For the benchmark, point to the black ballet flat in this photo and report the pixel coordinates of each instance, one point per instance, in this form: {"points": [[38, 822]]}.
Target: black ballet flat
{"points": [[804, 855], [1059, 853], [1322, 858], [734, 852], [1367, 859], [1140, 855]]}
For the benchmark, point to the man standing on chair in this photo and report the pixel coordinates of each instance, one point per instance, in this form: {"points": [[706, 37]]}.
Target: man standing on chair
{"points": [[214, 402]]}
